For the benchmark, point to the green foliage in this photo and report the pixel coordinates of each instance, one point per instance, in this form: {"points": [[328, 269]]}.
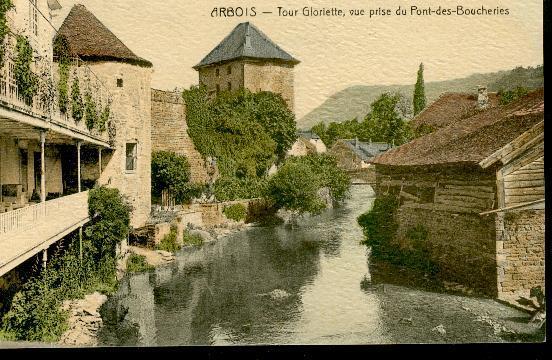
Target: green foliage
{"points": [[379, 225], [192, 239], [110, 223], [27, 81], [507, 96], [91, 114], [103, 118], [61, 49], [530, 78], [169, 242], [423, 130], [236, 212], [138, 263], [419, 99], [244, 131], [231, 188], [171, 171], [5, 6], [77, 106], [385, 123], [296, 186]]}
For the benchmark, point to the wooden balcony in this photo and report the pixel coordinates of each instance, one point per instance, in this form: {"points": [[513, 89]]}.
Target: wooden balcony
{"points": [[27, 231]]}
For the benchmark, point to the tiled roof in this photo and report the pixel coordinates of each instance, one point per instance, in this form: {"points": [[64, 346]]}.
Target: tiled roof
{"points": [[366, 151], [246, 41], [450, 108], [91, 40], [470, 140]]}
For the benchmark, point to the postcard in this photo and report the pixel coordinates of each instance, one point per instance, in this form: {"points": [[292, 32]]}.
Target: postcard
{"points": [[178, 173]]}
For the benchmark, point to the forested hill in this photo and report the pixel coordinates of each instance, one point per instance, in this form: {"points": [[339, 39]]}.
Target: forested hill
{"points": [[355, 101]]}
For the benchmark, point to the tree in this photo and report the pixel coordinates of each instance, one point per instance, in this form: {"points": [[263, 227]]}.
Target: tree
{"points": [[297, 185], [386, 122], [419, 92], [170, 171]]}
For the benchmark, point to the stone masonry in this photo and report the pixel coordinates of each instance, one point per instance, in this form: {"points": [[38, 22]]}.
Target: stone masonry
{"points": [[169, 131], [254, 75], [462, 244], [520, 252]]}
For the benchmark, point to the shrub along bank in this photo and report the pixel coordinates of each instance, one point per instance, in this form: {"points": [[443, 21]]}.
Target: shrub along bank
{"points": [[35, 313]]}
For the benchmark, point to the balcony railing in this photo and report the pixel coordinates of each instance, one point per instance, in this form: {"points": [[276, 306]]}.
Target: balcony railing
{"points": [[59, 212], [45, 104]]}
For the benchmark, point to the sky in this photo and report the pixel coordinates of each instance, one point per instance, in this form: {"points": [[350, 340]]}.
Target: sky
{"points": [[335, 52]]}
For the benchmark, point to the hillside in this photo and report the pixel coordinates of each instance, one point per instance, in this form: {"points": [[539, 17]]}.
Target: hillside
{"points": [[355, 101]]}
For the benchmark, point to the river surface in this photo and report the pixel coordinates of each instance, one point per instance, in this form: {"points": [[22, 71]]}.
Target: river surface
{"points": [[306, 285]]}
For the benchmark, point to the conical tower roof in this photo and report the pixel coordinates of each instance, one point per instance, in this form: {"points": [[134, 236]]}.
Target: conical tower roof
{"points": [[91, 40], [246, 41]]}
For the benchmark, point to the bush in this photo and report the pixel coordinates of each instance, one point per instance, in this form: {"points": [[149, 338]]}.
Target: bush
{"points": [[171, 172], [297, 184], [169, 243], [192, 239], [236, 212], [507, 96], [138, 263], [230, 189]]}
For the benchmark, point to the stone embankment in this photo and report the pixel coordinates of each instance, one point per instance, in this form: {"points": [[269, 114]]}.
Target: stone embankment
{"points": [[84, 320]]}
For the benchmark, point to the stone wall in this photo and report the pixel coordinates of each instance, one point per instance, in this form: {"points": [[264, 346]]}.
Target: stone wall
{"points": [[520, 252], [169, 131], [131, 112], [253, 75], [270, 76], [462, 244]]}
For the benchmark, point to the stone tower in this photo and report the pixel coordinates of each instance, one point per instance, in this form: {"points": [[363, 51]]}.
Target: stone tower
{"points": [[247, 58], [127, 77]]}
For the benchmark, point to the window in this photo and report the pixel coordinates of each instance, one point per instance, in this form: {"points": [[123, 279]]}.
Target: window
{"points": [[229, 86], [131, 156], [33, 21], [229, 70], [119, 82], [217, 72]]}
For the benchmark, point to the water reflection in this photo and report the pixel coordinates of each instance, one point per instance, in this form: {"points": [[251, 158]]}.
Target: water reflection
{"points": [[265, 285]]}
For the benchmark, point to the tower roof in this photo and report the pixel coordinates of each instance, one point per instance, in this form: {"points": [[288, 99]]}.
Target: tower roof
{"points": [[91, 40], [246, 41]]}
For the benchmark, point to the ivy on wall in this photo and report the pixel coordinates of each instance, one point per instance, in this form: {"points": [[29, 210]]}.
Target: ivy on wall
{"points": [[61, 49], [5, 6], [27, 81], [90, 112], [77, 106]]}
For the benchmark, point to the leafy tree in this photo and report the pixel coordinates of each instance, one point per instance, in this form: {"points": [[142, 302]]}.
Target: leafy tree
{"points": [[171, 171], [419, 92], [296, 186], [386, 123], [507, 96]]}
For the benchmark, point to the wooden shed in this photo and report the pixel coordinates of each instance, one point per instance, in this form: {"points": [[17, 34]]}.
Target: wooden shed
{"points": [[477, 186]]}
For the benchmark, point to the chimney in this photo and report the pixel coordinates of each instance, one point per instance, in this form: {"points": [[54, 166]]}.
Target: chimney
{"points": [[482, 97]]}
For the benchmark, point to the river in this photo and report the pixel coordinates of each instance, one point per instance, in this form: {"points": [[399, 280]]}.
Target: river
{"points": [[278, 285]]}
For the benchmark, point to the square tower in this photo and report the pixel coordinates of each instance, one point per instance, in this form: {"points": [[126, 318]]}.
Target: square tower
{"points": [[247, 58]]}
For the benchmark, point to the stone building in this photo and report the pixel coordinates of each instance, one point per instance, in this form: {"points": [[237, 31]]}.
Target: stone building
{"points": [[477, 187], [126, 165], [49, 156], [169, 131], [247, 58]]}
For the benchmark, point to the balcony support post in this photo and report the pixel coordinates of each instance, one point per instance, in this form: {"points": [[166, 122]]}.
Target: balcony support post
{"points": [[79, 165], [42, 167], [44, 258], [100, 162], [80, 243]]}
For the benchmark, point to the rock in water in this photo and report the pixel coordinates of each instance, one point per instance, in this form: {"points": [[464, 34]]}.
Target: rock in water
{"points": [[278, 294], [440, 329]]}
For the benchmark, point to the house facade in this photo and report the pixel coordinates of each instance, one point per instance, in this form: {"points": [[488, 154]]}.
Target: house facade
{"points": [[52, 150], [476, 187]]}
